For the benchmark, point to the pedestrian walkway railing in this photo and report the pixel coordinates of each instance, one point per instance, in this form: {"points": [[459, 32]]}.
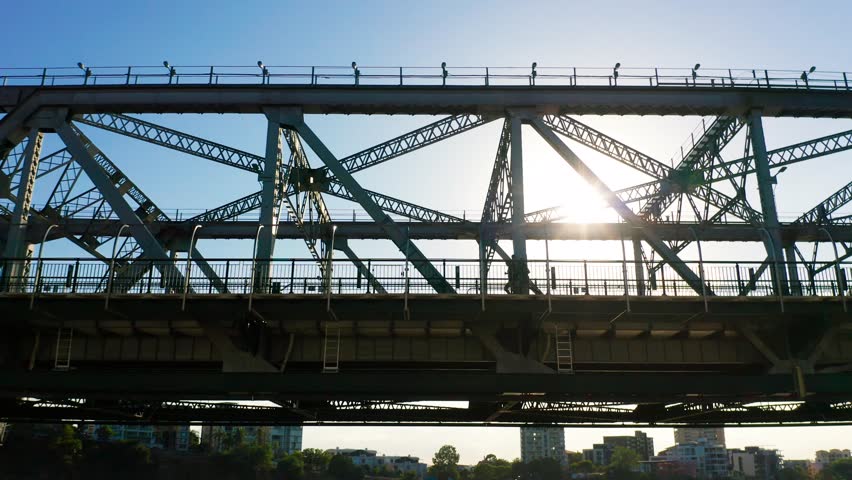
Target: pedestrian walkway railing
{"points": [[443, 75], [466, 277]]}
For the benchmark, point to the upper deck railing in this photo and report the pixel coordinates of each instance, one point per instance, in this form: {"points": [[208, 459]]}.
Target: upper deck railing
{"points": [[425, 76], [304, 276]]}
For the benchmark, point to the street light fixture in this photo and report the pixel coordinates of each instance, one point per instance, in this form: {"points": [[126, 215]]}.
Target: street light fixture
{"points": [[87, 72], [171, 69], [695, 72], [264, 72], [805, 75]]}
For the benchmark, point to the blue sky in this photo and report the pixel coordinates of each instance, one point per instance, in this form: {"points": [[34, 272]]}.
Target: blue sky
{"points": [[453, 175]]}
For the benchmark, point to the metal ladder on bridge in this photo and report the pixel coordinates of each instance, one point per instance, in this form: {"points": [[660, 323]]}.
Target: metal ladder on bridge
{"points": [[64, 341], [331, 349], [564, 352]]}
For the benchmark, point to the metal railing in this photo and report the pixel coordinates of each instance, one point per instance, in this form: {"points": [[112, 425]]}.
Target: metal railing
{"points": [[425, 76], [304, 276]]}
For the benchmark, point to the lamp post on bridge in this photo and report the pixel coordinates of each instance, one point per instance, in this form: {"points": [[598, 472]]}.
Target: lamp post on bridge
{"points": [[112, 266], [38, 269], [188, 267]]}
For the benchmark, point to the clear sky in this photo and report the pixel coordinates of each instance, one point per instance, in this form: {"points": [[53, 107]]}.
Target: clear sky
{"points": [[451, 176]]}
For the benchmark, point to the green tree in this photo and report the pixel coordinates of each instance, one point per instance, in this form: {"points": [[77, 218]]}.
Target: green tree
{"points": [[67, 445], [797, 473], [316, 460], [573, 457], [125, 459], [104, 433], [837, 470], [340, 467], [409, 475], [622, 463], [538, 469], [583, 466], [291, 467], [445, 463], [492, 468]]}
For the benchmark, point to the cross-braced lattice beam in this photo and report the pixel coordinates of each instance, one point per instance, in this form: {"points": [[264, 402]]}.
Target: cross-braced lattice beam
{"points": [[778, 157], [703, 154], [314, 198], [396, 234], [86, 154], [620, 207], [821, 214]]}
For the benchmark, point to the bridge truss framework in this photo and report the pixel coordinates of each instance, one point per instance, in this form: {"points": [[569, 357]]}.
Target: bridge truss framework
{"points": [[776, 329]]}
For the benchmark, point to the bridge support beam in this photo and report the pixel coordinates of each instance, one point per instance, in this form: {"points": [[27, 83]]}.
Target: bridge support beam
{"points": [[638, 265], [270, 205], [520, 280], [294, 119], [150, 245], [792, 270], [619, 206], [17, 250], [765, 182]]}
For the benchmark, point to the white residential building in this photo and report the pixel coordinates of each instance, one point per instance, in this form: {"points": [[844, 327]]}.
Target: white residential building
{"points": [[710, 461], [369, 458], [282, 439], [543, 442]]}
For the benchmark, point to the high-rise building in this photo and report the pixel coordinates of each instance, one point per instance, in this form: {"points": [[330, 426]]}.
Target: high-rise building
{"points": [[281, 439], [714, 436], [639, 443], [755, 462], [708, 459], [825, 457], [543, 442], [167, 437]]}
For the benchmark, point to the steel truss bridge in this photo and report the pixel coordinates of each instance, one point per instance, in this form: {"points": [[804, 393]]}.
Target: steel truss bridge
{"points": [[142, 327]]}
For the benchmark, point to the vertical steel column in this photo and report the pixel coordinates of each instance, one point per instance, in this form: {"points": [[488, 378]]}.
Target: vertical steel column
{"points": [[765, 181], [792, 271], [521, 281], [638, 266], [270, 178], [17, 251]]}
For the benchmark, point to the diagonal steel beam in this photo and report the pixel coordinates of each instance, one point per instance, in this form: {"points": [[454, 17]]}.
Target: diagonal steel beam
{"points": [[666, 176], [413, 140], [821, 214], [85, 154], [193, 145], [606, 145], [620, 207], [396, 234], [778, 157], [148, 210], [702, 155]]}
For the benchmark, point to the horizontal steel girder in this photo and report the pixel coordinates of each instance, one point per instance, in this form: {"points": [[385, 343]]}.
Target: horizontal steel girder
{"points": [[214, 228], [506, 412], [428, 100], [422, 386]]}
